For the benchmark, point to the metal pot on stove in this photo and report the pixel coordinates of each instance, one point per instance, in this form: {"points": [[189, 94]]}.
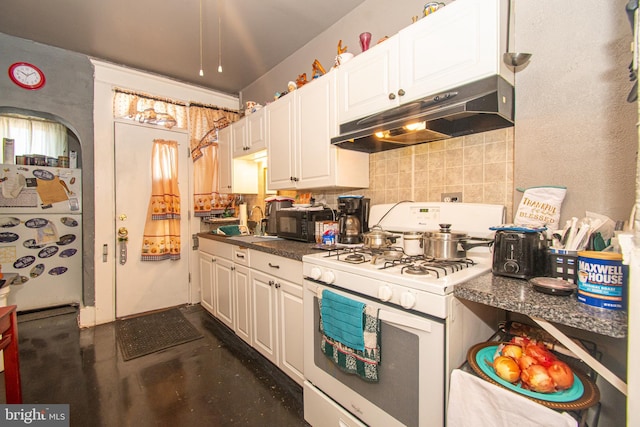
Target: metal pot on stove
{"points": [[449, 245], [378, 239]]}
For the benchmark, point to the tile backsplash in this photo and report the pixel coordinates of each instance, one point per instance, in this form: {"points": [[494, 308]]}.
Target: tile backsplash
{"points": [[479, 166]]}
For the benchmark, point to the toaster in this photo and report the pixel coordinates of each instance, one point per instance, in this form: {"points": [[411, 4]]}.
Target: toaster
{"points": [[520, 254]]}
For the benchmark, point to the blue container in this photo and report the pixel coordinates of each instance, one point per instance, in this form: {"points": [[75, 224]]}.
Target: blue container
{"points": [[602, 280]]}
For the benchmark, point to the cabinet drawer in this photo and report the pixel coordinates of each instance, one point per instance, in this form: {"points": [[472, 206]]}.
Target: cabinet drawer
{"points": [[241, 255], [284, 268], [213, 247]]}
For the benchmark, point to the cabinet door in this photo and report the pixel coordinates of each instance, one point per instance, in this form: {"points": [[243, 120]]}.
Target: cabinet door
{"points": [[239, 137], [265, 332], [447, 49], [369, 83], [242, 298], [281, 143], [316, 124], [223, 291], [224, 160], [290, 313], [256, 132], [205, 262]]}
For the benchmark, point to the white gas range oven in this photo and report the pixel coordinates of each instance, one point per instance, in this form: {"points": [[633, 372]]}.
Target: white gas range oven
{"points": [[425, 332]]}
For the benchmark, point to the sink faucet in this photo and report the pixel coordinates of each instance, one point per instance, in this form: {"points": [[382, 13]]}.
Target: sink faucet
{"points": [[258, 230]]}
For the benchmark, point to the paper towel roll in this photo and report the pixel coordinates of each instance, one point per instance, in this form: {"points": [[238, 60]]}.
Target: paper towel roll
{"points": [[243, 214]]}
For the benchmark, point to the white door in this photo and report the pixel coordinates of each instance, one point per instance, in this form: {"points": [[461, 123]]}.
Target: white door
{"points": [[150, 285]]}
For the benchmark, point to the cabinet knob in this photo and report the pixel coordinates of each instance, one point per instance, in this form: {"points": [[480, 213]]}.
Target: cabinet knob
{"points": [[277, 285], [401, 92], [270, 282], [392, 95]]}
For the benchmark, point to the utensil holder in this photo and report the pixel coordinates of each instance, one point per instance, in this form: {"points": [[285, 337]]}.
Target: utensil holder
{"points": [[564, 264]]}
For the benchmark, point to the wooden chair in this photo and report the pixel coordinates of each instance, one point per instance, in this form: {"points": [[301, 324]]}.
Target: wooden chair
{"points": [[9, 343]]}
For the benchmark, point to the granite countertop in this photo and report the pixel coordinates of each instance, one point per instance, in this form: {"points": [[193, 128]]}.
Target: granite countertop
{"points": [[281, 247], [518, 296]]}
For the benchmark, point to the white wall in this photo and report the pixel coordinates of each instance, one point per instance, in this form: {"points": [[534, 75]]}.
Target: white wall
{"points": [[379, 17], [108, 76]]}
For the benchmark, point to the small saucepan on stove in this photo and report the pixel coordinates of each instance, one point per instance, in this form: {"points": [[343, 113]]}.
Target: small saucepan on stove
{"points": [[412, 243], [378, 239], [450, 245]]}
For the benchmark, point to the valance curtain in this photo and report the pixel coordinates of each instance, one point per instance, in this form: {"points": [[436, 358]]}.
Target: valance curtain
{"points": [[204, 124], [34, 136], [140, 107], [161, 238]]}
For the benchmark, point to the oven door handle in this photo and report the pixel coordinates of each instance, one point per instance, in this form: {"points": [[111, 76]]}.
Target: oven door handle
{"points": [[405, 320]]}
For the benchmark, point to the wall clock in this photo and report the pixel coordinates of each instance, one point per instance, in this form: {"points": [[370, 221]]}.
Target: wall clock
{"points": [[26, 75]]}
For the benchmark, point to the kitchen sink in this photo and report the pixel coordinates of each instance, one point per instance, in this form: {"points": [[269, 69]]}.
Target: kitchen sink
{"points": [[254, 239]]}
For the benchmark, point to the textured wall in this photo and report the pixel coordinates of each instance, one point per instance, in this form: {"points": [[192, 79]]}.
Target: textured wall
{"points": [[67, 97], [573, 124]]}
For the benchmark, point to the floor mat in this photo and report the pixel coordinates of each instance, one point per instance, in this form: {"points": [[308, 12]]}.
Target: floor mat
{"points": [[153, 332]]}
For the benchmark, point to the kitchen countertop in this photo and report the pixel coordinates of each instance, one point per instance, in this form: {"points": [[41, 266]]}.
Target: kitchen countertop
{"points": [[286, 248], [515, 295], [518, 296]]}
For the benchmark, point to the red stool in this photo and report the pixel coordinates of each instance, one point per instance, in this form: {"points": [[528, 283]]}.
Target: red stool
{"points": [[9, 343]]}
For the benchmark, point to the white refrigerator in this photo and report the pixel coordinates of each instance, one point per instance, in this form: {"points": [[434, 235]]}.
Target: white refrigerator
{"points": [[41, 235]]}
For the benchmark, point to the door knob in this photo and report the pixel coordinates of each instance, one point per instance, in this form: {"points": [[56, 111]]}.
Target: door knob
{"points": [[123, 234], [122, 217]]}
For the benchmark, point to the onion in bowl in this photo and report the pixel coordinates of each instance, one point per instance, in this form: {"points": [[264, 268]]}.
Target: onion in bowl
{"points": [[506, 368]]}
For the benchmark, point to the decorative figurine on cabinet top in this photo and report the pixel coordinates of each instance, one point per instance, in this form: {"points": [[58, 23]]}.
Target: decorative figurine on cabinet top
{"points": [[302, 80], [318, 69], [432, 7]]}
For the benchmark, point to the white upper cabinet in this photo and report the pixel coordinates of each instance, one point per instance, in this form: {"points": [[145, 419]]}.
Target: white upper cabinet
{"points": [[249, 134], [299, 130], [224, 160], [458, 44]]}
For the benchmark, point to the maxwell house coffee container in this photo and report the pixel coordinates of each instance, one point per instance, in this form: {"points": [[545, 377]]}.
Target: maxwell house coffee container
{"points": [[602, 280]]}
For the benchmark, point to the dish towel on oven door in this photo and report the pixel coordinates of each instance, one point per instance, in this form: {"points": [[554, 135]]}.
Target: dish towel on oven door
{"points": [[350, 335]]}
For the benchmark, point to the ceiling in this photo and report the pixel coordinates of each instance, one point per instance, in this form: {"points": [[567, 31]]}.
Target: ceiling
{"points": [[163, 36]]}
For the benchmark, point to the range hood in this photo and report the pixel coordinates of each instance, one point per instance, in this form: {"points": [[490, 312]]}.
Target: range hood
{"points": [[481, 106]]}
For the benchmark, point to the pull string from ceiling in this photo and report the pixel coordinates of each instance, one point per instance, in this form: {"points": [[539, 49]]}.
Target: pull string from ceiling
{"points": [[220, 8], [201, 71]]}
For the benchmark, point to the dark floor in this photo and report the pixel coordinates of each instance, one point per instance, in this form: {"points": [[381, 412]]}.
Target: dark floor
{"points": [[214, 381]]}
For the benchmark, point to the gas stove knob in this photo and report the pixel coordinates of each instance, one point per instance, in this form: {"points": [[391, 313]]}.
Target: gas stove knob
{"points": [[385, 293], [407, 300], [315, 273], [328, 277]]}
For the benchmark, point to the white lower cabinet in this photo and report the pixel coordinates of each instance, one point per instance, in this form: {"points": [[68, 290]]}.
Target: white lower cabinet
{"points": [[276, 284], [225, 285], [223, 291], [205, 264], [242, 297], [259, 296]]}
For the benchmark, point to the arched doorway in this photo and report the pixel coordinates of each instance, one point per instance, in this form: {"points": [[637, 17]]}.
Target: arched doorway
{"points": [[41, 210]]}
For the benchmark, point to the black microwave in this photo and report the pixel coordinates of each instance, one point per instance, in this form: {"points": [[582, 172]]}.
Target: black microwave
{"points": [[300, 224]]}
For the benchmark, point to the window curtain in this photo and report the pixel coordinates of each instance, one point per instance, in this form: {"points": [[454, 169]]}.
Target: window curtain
{"points": [[204, 123], [149, 109], [161, 238], [34, 136]]}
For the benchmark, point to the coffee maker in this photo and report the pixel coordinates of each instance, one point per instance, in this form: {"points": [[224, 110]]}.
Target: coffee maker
{"points": [[353, 217]]}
